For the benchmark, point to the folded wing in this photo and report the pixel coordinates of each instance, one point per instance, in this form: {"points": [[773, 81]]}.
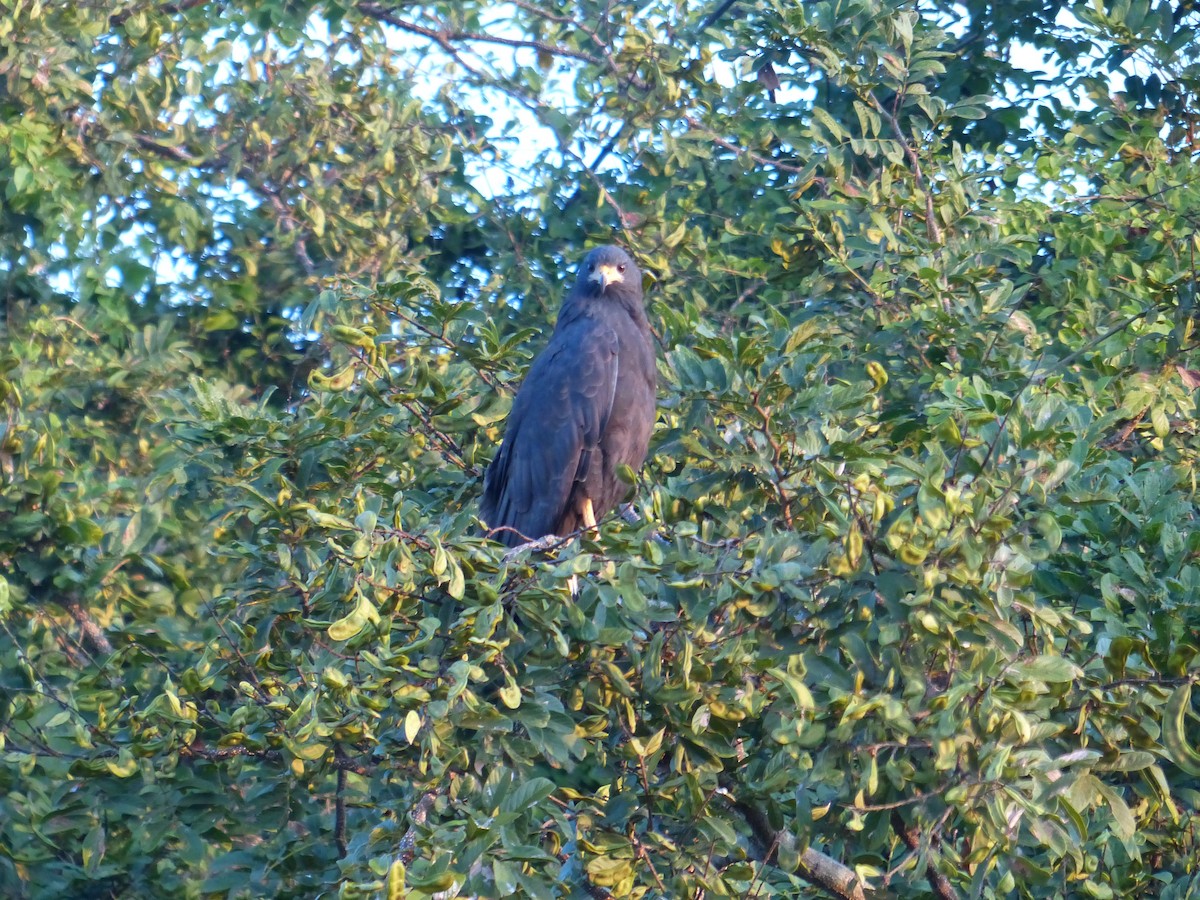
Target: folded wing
{"points": [[553, 434]]}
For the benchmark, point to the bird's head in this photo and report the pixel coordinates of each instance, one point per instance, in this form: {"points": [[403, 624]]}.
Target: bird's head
{"points": [[609, 270]]}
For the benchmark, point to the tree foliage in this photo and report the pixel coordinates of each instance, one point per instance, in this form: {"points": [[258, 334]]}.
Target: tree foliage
{"points": [[911, 602]]}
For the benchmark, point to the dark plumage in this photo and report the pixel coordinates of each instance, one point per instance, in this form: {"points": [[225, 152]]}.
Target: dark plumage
{"points": [[585, 408]]}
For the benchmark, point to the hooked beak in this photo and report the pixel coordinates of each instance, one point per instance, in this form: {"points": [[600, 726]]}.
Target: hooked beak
{"points": [[605, 275]]}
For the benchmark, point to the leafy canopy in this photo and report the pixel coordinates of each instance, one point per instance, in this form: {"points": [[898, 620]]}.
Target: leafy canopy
{"points": [[913, 599]]}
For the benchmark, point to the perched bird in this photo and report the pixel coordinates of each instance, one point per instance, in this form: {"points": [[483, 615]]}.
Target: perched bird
{"points": [[585, 409]]}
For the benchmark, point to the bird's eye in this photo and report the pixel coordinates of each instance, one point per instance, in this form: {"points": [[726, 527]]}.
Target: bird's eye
{"points": [[621, 268], [591, 267]]}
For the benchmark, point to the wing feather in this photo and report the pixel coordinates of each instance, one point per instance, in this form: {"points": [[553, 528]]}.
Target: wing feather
{"points": [[553, 432]]}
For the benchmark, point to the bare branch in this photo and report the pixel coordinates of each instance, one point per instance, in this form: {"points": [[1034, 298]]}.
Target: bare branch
{"points": [[931, 225], [942, 888], [221, 754], [594, 166], [339, 814], [445, 38], [167, 9], [750, 290], [816, 867], [92, 633], [742, 151], [846, 188], [286, 216], [713, 17], [176, 153], [562, 20]]}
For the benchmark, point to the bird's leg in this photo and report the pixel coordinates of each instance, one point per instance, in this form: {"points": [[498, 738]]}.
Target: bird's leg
{"points": [[588, 514]]}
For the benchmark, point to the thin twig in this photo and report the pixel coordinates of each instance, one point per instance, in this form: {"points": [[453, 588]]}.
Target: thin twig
{"points": [[445, 36], [750, 291], [776, 455], [713, 17], [742, 151], [592, 168], [168, 9], [222, 754], [339, 813], [931, 226]]}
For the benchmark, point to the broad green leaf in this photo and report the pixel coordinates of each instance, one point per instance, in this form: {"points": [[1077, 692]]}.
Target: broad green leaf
{"points": [[1180, 749], [1047, 668]]}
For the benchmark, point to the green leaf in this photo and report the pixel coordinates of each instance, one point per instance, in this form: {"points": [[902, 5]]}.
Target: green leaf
{"points": [[801, 335], [458, 582], [528, 794], [355, 621], [412, 725], [1174, 731], [124, 766], [1046, 668], [1124, 824], [92, 851], [394, 888], [221, 320], [510, 693]]}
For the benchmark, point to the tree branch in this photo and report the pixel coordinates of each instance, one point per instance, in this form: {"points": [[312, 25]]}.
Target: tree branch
{"points": [[942, 888], [823, 871], [286, 216], [931, 226], [221, 754], [167, 9], [609, 146], [339, 813], [176, 153], [444, 37], [564, 20], [742, 151], [847, 189], [92, 633], [713, 17]]}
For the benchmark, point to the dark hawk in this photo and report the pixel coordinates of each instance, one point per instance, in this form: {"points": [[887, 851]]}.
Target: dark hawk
{"points": [[585, 409]]}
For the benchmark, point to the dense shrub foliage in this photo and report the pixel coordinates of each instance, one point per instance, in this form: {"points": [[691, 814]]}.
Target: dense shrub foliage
{"points": [[911, 602]]}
